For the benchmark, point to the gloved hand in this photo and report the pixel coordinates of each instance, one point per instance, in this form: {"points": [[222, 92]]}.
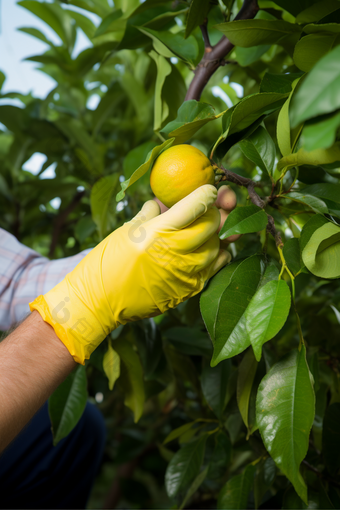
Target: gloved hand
{"points": [[150, 264]]}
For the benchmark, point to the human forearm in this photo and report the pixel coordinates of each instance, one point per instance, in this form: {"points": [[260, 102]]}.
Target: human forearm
{"points": [[33, 362]]}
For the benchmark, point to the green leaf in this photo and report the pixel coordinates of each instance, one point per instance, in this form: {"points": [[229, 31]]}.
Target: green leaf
{"points": [[311, 48], [291, 253], [267, 313], [310, 227], [185, 49], [293, 6], [161, 108], [320, 91], [84, 228], [317, 11], [245, 379], [111, 365], [286, 139], [321, 254], [314, 158], [221, 455], [194, 486], [131, 377], [316, 204], [328, 192], [54, 16], [279, 83], [260, 149], [156, 151], [247, 56], [197, 13], [101, 195], [174, 434], [224, 302], [244, 220], [34, 32], [2, 79], [265, 476], [191, 116], [66, 405], [331, 439], [214, 382], [252, 32], [245, 114], [234, 494], [184, 466], [322, 134], [285, 412], [292, 500], [149, 343]]}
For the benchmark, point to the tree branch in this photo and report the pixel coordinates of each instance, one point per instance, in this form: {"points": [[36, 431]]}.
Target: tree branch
{"points": [[205, 36], [214, 56], [60, 221], [255, 199]]}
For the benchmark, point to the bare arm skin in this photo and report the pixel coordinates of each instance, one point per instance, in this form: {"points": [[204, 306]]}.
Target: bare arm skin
{"points": [[33, 362]]}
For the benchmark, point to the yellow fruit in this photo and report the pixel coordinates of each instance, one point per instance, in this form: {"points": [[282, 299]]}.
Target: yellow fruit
{"points": [[178, 171]]}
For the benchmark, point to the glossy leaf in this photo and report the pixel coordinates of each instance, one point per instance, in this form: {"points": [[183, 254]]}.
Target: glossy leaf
{"points": [[328, 193], [321, 254], [322, 134], [111, 365], [66, 405], [331, 439], [224, 302], [311, 48], [144, 167], [267, 313], [194, 486], [285, 412], [244, 115], [260, 149], [184, 466], [244, 220], [161, 108], [186, 49], [315, 157], [234, 494], [191, 116], [317, 11], [214, 382], [286, 138], [101, 196], [279, 83], [316, 204], [245, 379], [247, 33], [131, 377], [320, 91], [310, 227]]}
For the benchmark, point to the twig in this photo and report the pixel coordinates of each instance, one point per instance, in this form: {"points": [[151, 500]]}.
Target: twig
{"points": [[255, 199], [60, 221], [214, 58], [321, 475], [205, 36]]}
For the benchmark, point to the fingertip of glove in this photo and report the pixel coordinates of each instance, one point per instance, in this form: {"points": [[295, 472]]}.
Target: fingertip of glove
{"points": [[150, 209], [223, 258]]}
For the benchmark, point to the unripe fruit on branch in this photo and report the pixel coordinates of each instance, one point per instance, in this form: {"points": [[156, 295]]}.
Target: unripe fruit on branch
{"points": [[178, 171], [226, 198], [231, 239]]}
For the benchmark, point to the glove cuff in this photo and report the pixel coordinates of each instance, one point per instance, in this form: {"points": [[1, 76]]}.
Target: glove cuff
{"points": [[75, 325]]}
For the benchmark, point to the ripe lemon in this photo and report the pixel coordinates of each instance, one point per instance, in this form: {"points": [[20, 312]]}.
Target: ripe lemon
{"points": [[178, 171]]}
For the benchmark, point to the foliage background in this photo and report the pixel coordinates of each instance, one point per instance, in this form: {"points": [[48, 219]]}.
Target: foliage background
{"points": [[165, 378]]}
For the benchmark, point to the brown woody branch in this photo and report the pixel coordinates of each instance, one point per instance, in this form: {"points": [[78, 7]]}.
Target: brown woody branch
{"points": [[255, 199], [61, 219], [214, 55]]}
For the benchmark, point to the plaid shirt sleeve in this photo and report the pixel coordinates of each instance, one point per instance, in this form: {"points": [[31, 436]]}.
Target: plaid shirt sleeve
{"points": [[24, 275]]}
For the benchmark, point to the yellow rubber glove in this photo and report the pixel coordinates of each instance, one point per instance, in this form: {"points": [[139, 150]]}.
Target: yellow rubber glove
{"points": [[150, 264]]}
